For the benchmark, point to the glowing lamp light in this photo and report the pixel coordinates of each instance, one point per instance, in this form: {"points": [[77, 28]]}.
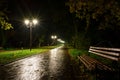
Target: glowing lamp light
{"points": [[35, 21], [27, 22], [54, 37]]}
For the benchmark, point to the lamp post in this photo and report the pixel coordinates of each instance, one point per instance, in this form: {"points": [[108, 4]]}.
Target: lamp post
{"points": [[30, 24], [54, 37]]}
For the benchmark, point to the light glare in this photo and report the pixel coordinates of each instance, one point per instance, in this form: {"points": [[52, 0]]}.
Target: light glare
{"points": [[54, 37], [35, 21], [27, 22], [60, 40]]}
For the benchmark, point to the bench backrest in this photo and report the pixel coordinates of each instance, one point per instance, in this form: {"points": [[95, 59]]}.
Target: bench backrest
{"points": [[110, 53]]}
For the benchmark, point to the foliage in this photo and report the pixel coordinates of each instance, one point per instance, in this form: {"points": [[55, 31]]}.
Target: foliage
{"points": [[3, 17], [5, 25], [41, 40], [101, 17], [95, 9], [80, 42]]}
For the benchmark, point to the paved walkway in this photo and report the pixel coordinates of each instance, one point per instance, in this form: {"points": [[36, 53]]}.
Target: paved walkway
{"points": [[52, 65]]}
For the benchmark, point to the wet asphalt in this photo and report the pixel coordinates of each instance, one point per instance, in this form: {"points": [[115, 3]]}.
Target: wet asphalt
{"points": [[52, 65]]}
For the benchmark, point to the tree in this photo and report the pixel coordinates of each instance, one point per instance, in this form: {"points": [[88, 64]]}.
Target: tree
{"points": [[41, 40], [4, 24], [87, 9], [104, 13]]}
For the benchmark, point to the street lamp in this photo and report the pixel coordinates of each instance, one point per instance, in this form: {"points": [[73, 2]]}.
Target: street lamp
{"points": [[54, 37], [30, 24]]}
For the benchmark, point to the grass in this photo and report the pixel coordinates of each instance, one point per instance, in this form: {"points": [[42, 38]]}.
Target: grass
{"points": [[75, 52], [12, 55]]}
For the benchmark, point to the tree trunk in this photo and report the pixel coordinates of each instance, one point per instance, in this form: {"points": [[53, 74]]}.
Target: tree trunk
{"points": [[87, 24], [3, 38]]}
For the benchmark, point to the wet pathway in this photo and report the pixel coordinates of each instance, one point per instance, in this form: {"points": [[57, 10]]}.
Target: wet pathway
{"points": [[52, 65]]}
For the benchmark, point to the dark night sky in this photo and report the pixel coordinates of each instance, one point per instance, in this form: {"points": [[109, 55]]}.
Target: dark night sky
{"points": [[53, 17], [44, 9]]}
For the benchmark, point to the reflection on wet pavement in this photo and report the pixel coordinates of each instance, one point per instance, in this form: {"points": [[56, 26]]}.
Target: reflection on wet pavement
{"points": [[53, 65]]}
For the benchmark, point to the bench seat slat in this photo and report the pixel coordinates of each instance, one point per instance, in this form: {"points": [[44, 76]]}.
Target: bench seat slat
{"points": [[91, 63], [89, 59], [99, 64], [103, 67], [106, 52], [84, 62], [102, 48], [103, 55]]}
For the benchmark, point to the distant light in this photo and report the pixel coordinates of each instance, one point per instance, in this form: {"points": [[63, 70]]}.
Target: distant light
{"points": [[27, 21], [35, 21], [60, 40], [63, 41], [54, 37]]}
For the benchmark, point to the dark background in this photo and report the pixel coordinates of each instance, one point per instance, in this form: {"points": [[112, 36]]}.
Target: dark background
{"points": [[54, 19]]}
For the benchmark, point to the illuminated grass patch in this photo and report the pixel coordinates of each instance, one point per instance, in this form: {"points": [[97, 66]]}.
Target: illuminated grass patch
{"points": [[9, 56], [75, 52]]}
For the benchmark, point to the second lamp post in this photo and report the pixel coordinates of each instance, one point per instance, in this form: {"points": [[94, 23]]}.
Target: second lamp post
{"points": [[30, 24]]}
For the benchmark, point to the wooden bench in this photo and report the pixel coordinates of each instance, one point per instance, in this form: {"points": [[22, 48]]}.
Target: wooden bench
{"points": [[92, 64]]}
